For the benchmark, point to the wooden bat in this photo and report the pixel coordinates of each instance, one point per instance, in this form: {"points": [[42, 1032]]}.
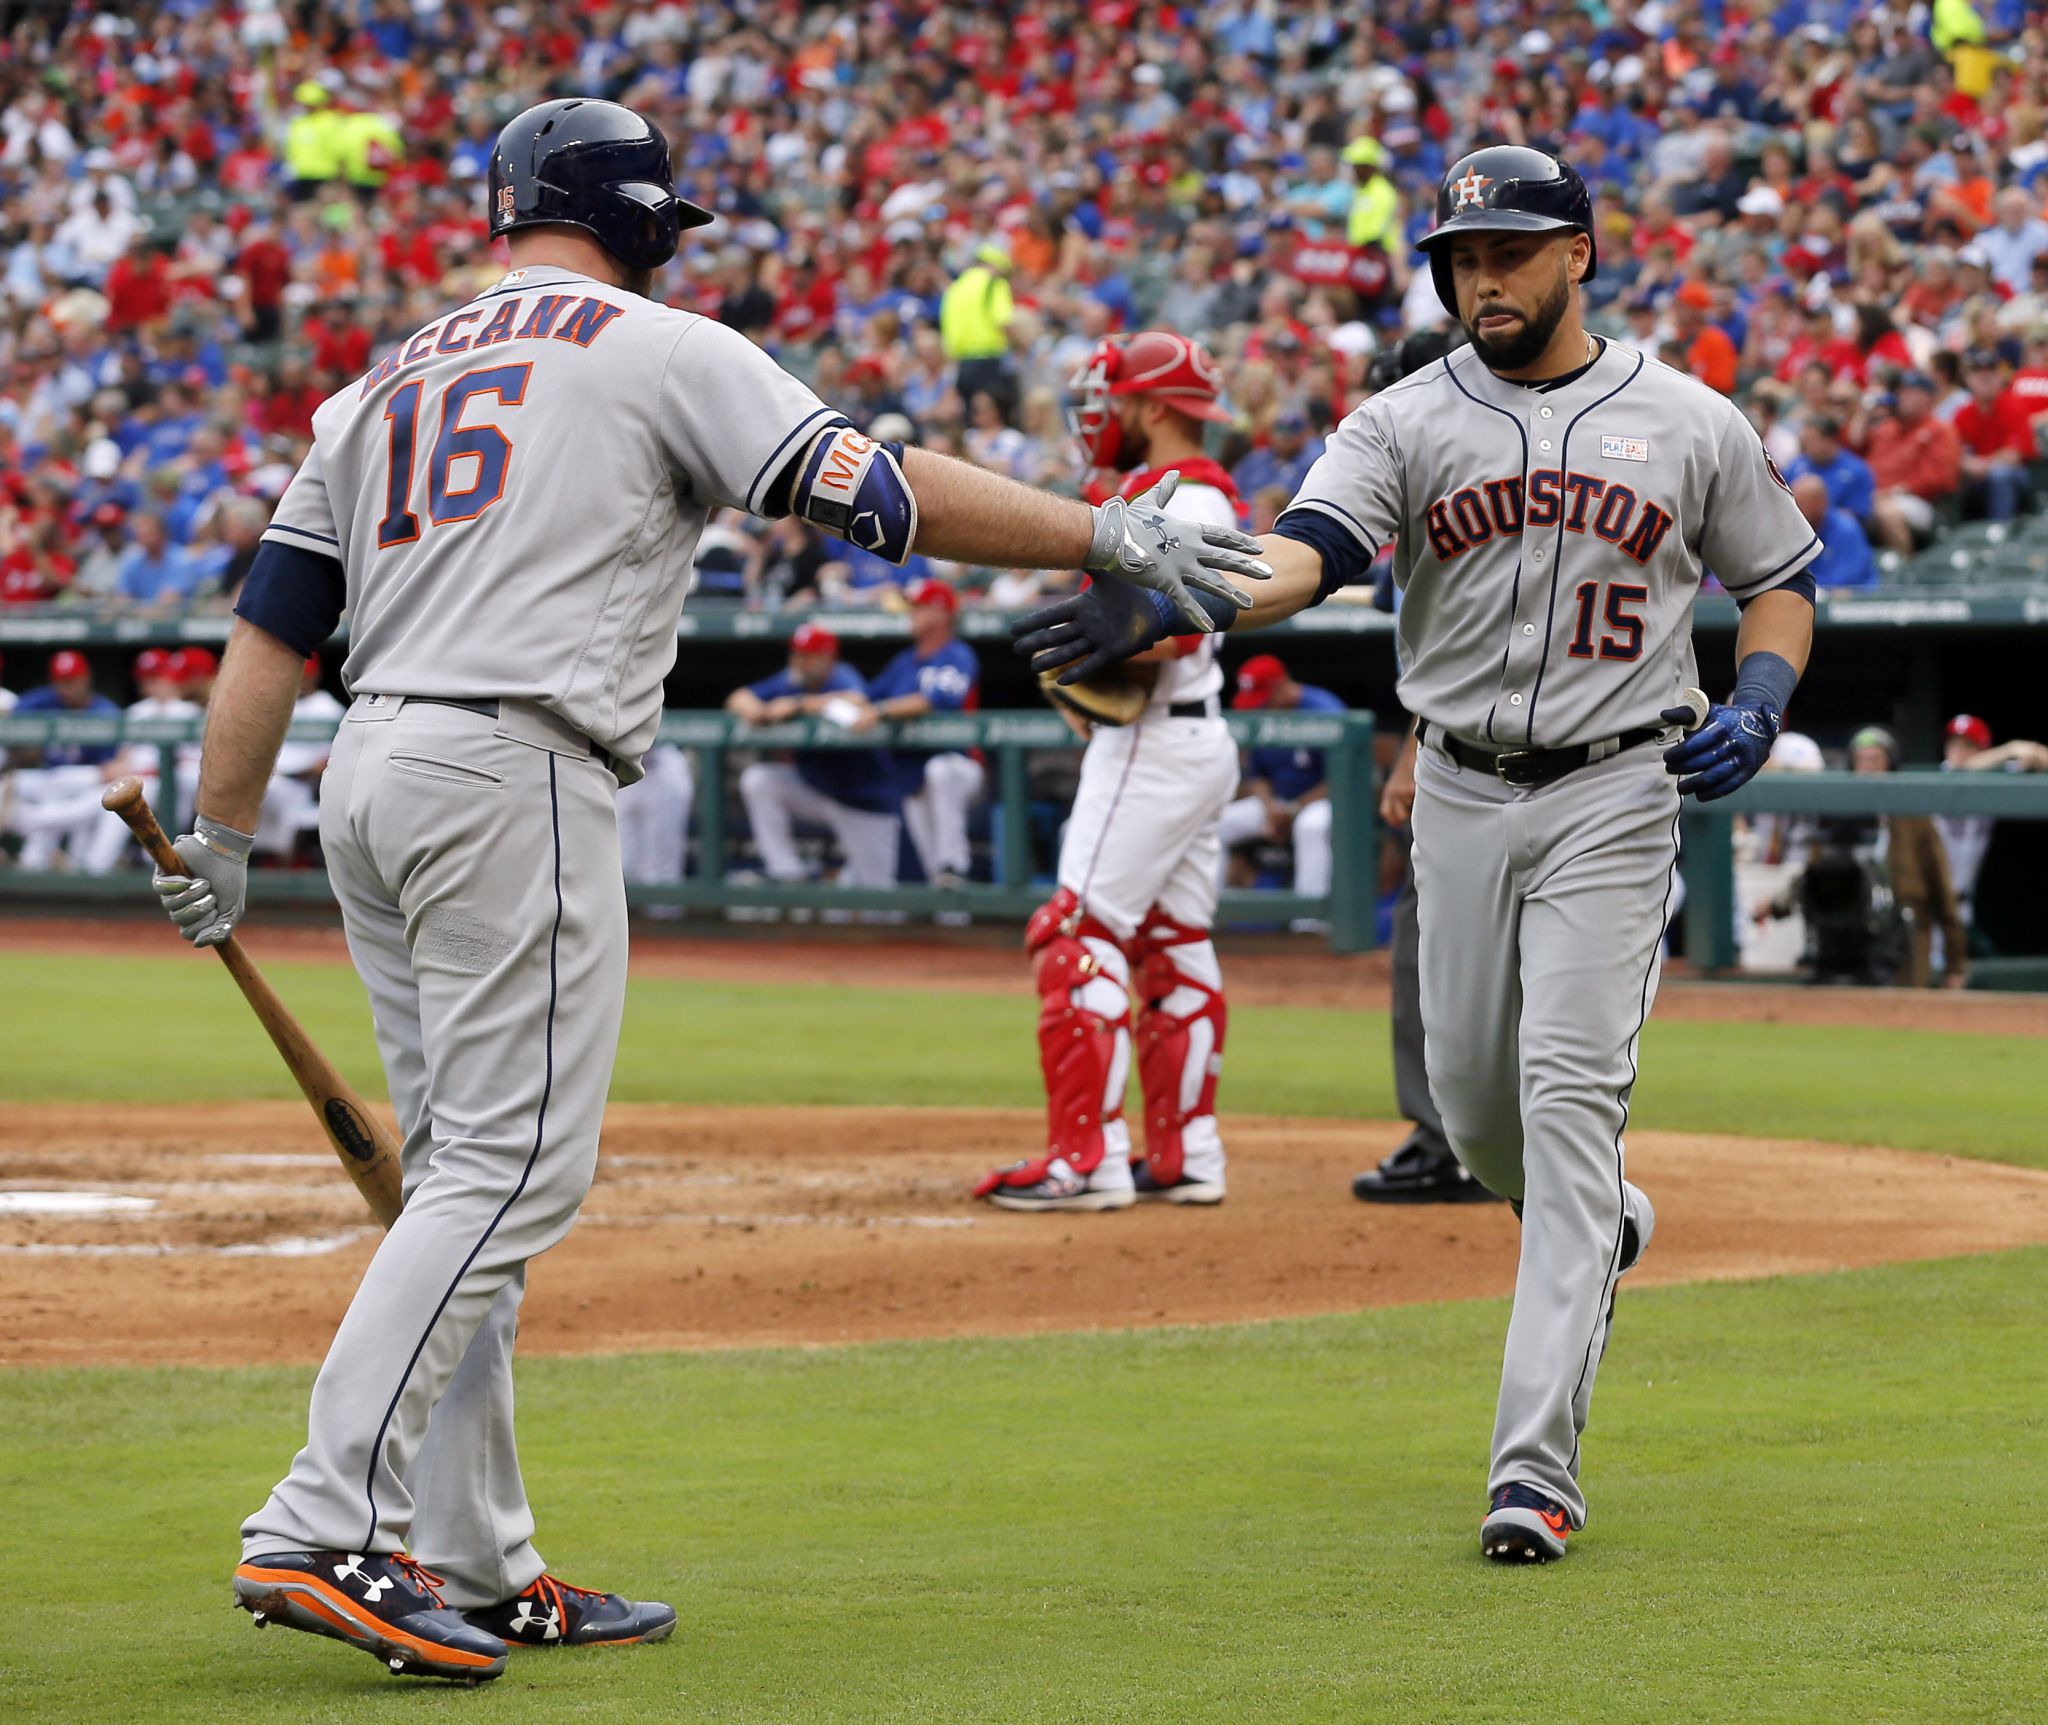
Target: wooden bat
{"points": [[365, 1145]]}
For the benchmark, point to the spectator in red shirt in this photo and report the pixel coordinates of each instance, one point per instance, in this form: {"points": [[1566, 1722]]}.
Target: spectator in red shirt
{"points": [[1997, 440], [1917, 461], [138, 286], [265, 268]]}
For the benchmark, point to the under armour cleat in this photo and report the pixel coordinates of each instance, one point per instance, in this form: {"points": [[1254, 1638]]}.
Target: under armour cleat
{"points": [[551, 1613], [1524, 1526], [386, 1604]]}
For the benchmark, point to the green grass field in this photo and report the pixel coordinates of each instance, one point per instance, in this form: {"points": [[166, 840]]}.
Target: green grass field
{"points": [[762, 1043], [1812, 1498]]}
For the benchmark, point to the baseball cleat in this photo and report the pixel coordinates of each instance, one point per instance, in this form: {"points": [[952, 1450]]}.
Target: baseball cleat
{"points": [[1638, 1223], [1524, 1526], [1417, 1174], [551, 1613], [1184, 1190], [385, 1604], [1050, 1183]]}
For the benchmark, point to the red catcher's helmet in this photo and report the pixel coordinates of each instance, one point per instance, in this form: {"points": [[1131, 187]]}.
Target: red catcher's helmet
{"points": [[1153, 362]]}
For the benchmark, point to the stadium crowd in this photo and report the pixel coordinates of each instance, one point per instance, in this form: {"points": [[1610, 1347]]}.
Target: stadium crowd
{"points": [[217, 215]]}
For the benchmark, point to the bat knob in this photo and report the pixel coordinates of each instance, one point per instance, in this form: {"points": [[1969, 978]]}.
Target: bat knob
{"points": [[1695, 701], [121, 794]]}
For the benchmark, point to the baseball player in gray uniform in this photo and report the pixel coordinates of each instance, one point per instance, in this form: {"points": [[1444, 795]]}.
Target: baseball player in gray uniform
{"points": [[507, 506], [1554, 500]]}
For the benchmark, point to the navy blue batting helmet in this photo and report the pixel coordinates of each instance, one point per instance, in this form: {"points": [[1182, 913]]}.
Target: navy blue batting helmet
{"points": [[595, 166], [1505, 188]]}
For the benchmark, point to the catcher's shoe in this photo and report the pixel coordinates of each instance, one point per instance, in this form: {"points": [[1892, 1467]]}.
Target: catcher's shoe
{"points": [[1187, 1189], [1524, 1526], [1050, 1183], [551, 1613], [386, 1604]]}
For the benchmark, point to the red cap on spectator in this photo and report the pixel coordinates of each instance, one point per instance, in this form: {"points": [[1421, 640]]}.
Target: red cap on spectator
{"points": [[189, 663], [108, 515], [813, 638], [1257, 678], [152, 662], [931, 592], [1695, 294], [1972, 729], [68, 664]]}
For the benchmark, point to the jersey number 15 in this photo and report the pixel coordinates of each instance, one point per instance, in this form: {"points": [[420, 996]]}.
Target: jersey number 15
{"points": [[1627, 641], [486, 445]]}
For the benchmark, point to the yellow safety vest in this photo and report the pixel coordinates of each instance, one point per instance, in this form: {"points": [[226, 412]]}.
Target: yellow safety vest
{"points": [[1372, 211], [313, 146], [974, 313], [370, 148]]}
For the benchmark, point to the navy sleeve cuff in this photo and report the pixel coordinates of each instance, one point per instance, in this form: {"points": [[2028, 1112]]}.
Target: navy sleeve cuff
{"points": [[1803, 584], [295, 595], [1346, 562]]}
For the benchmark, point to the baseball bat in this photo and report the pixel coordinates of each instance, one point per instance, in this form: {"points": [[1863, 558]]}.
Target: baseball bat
{"points": [[366, 1147], [1696, 700]]}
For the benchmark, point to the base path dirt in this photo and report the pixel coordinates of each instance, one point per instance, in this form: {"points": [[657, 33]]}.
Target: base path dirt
{"points": [[226, 1235]]}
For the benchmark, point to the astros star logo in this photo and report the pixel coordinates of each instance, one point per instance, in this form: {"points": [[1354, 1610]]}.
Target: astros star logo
{"points": [[1469, 188]]}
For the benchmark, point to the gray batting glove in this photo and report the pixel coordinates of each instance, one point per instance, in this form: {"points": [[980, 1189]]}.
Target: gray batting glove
{"points": [[1138, 542], [206, 901]]}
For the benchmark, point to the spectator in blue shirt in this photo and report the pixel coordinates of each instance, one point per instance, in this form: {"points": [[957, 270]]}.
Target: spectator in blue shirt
{"points": [[156, 573], [852, 792], [1850, 486], [1845, 559], [1288, 455], [936, 673], [1287, 798], [56, 791], [69, 690]]}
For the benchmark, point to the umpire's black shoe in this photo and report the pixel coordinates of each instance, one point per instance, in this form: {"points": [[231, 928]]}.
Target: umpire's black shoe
{"points": [[1416, 1174], [386, 1605], [551, 1613]]}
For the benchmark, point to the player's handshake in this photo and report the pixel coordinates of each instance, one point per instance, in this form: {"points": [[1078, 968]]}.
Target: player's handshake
{"points": [[1137, 541]]}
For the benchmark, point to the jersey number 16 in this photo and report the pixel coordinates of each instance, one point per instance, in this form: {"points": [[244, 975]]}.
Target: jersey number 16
{"points": [[486, 445]]}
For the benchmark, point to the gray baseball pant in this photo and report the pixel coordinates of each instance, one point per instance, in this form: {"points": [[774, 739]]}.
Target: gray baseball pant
{"points": [[477, 866], [1542, 921]]}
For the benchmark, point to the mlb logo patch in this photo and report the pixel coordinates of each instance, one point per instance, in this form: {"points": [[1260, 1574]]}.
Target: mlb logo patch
{"points": [[1625, 449]]}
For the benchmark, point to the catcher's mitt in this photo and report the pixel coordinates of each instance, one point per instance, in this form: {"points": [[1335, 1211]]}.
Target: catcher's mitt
{"points": [[1115, 695]]}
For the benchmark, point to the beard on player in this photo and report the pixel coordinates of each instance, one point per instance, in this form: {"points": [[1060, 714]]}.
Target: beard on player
{"points": [[1523, 342]]}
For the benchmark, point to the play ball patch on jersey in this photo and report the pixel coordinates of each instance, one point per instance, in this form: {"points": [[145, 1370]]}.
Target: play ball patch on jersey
{"points": [[1625, 449]]}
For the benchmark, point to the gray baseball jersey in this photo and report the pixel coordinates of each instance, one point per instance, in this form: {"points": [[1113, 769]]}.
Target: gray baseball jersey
{"points": [[1551, 541], [515, 494]]}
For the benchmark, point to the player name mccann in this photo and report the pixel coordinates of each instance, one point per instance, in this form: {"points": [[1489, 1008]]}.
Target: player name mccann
{"points": [[574, 318]]}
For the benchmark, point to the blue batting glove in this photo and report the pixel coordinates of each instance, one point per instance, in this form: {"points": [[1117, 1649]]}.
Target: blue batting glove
{"points": [[1725, 753]]}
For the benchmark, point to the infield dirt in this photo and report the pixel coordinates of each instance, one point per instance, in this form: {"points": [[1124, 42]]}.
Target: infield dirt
{"points": [[732, 1227]]}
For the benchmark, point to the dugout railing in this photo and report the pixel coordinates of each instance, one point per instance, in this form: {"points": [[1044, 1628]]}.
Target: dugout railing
{"points": [[1005, 739], [1707, 831]]}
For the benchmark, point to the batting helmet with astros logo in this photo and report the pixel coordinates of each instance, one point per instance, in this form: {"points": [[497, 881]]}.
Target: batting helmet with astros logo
{"points": [[1505, 188], [1153, 362], [595, 166]]}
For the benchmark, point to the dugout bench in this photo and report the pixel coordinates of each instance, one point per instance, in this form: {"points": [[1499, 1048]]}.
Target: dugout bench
{"points": [[1005, 739]]}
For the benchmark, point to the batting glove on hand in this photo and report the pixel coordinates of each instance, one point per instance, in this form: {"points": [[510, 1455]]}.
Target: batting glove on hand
{"points": [[206, 901], [1103, 623], [1725, 753], [1138, 542]]}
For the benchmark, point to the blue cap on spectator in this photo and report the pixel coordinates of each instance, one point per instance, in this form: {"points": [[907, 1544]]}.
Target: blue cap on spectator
{"points": [[1916, 380]]}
